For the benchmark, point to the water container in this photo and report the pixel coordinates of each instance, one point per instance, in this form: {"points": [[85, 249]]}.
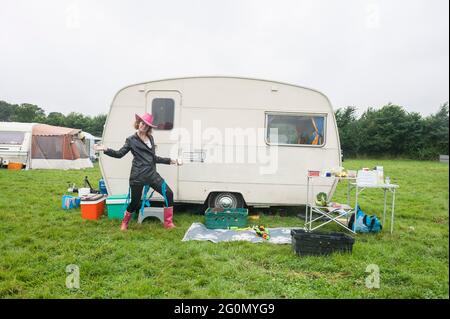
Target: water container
{"points": [[380, 174], [102, 186], [83, 191]]}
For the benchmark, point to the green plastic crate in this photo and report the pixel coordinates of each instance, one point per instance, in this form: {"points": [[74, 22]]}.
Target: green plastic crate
{"points": [[115, 206], [224, 218]]}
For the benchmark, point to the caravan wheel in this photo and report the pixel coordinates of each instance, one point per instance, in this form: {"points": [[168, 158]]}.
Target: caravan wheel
{"points": [[225, 200]]}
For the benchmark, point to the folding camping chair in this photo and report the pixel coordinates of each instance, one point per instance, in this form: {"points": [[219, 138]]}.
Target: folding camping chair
{"points": [[326, 214]]}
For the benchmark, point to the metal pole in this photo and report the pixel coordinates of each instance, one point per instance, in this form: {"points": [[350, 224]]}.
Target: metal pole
{"points": [[356, 209], [307, 201], [310, 208], [349, 189], [393, 204], [348, 192], [384, 210]]}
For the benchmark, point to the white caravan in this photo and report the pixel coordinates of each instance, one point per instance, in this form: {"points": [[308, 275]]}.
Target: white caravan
{"points": [[243, 141], [15, 142], [89, 141]]}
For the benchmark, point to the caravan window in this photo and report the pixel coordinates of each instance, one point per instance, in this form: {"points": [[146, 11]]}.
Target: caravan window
{"points": [[12, 138], [287, 129], [163, 111]]}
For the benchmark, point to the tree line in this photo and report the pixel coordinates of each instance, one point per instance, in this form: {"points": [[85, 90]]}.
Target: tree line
{"points": [[29, 113], [393, 132], [386, 132]]}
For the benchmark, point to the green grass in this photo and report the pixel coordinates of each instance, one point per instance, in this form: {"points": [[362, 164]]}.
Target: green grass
{"points": [[38, 240]]}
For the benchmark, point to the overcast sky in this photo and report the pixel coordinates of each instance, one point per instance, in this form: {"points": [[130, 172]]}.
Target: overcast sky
{"points": [[75, 55]]}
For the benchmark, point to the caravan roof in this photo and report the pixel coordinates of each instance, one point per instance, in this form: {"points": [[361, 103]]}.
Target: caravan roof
{"points": [[16, 126], [90, 136]]}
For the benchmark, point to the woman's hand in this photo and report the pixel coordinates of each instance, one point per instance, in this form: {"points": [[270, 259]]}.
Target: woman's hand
{"points": [[99, 147], [177, 162]]}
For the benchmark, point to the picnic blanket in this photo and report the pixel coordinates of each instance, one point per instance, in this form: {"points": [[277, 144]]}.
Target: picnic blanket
{"points": [[198, 231]]}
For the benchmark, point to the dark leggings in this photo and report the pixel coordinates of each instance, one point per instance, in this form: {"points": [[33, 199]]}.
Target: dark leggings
{"points": [[136, 195]]}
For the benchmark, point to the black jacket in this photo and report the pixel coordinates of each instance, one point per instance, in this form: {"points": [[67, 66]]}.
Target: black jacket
{"points": [[143, 169]]}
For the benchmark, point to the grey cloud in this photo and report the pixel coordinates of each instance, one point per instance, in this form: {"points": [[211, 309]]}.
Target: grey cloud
{"points": [[74, 55]]}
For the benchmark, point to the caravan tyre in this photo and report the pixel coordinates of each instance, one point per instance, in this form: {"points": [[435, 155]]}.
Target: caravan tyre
{"points": [[225, 200]]}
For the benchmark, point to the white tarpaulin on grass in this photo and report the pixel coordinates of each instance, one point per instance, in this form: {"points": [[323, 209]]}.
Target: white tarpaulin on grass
{"points": [[198, 231]]}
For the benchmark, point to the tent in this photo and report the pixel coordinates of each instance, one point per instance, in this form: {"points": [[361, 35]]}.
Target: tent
{"points": [[58, 147], [43, 146]]}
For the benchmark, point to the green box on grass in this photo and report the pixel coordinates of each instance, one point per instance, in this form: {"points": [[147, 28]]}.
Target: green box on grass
{"points": [[115, 205], [216, 218]]}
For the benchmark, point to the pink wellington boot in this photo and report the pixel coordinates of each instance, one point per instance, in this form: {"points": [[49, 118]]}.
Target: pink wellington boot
{"points": [[125, 220], [168, 215]]}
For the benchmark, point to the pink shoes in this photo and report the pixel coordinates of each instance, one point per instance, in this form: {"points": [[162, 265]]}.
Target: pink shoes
{"points": [[125, 221], [168, 216]]}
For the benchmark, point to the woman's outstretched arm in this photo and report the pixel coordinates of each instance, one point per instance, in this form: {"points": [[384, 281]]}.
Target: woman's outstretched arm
{"points": [[164, 160], [113, 153]]}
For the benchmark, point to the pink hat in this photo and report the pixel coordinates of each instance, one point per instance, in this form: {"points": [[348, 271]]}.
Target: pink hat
{"points": [[146, 118]]}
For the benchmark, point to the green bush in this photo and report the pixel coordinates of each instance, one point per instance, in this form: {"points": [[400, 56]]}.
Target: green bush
{"points": [[391, 132]]}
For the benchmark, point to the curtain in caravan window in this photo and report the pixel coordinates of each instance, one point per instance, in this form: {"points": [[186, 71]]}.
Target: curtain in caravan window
{"points": [[317, 135], [163, 111], [295, 129]]}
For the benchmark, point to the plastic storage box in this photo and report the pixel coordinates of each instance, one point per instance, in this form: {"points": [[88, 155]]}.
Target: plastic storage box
{"points": [[115, 206], [15, 166], [315, 243], [92, 208], [69, 202], [224, 218]]}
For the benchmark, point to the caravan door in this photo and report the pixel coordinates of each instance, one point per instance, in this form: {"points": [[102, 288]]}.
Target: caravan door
{"points": [[165, 107]]}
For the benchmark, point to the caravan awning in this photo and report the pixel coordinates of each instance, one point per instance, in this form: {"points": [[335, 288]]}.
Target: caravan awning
{"points": [[49, 130]]}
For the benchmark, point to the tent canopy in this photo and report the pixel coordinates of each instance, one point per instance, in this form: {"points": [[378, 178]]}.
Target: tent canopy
{"points": [[50, 130], [55, 142]]}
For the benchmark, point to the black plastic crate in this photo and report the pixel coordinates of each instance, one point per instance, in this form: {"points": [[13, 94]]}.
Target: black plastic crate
{"points": [[318, 244]]}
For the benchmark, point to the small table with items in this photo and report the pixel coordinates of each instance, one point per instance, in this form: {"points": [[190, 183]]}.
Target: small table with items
{"points": [[359, 187]]}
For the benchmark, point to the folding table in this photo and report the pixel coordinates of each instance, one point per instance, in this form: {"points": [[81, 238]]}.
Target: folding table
{"points": [[385, 187]]}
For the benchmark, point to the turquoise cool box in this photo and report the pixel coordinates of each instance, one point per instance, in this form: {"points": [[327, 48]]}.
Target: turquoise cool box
{"points": [[116, 206]]}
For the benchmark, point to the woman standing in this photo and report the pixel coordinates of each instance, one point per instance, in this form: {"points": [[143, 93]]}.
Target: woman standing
{"points": [[143, 169]]}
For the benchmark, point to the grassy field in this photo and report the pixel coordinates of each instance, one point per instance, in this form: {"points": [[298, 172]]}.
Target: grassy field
{"points": [[38, 240]]}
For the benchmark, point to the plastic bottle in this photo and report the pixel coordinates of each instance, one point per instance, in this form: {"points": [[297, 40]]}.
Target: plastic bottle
{"points": [[380, 174], [102, 186]]}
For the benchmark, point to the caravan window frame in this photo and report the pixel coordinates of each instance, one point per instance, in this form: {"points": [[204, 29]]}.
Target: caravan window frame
{"points": [[305, 114]]}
